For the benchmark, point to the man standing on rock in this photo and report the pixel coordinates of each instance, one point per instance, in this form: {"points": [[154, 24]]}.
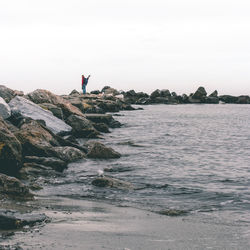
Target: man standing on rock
{"points": [[84, 83]]}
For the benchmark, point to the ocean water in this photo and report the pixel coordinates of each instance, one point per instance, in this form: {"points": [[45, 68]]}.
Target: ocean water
{"points": [[192, 159]]}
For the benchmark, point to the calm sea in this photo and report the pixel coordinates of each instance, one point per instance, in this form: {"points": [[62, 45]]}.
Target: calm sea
{"points": [[193, 159]]}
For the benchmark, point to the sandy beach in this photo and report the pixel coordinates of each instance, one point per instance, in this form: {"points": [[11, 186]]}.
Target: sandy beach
{"points": [[81, 224]]}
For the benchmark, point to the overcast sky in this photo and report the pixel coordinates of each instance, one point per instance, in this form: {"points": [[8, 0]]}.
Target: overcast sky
{"points": [[127, 44]]}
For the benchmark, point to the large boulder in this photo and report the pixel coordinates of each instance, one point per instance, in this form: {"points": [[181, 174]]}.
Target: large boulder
{"points": [[200, 93], [10, 187], [36, 139], [10, 151], [100, 151], [5, 110], [82, 127], [165, 93], [154, 94], [56, 111], [45, 96], [29, 109]]}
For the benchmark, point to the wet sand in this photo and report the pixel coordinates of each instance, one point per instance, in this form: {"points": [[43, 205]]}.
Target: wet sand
{"points": [[81, 224]]}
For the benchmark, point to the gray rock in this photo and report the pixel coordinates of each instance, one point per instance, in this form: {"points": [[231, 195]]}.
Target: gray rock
{"points": [[11, 219], [5, 110], [52, 162], [165, 93], [228, 98], [56, 111], [45, 96], [10, 151], [34, 111], [214, 94], [112, 183], [10, 187], [69, 154], [6, 93], [243, 99], [200, 93], [100, 151], [103, 118], [156, 93], [82, 127]]}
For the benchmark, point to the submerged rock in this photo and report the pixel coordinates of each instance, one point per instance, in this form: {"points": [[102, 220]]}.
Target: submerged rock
{"points": [[10, 151], [111, 182], [5, 110], [173, 212], [11, 219], [11, 187], [100, 151], [34, 111]]}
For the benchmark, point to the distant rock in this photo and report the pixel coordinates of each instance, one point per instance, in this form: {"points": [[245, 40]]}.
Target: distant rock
{"points": [[214, 94], [110, 91], [243, 99], [228, 98], [5, 110], [10, 151], [112, 183], [74, 92], [165, 93], [155, 94], [100, 151], [200, 93], [10, 187], [95, 92], [29, 109]]}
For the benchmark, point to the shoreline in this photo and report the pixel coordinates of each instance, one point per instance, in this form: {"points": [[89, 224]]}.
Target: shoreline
{"points": [[39, 138], [83, 224]]}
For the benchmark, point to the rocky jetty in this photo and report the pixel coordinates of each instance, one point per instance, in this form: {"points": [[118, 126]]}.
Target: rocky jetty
{"points": [[40, 132]]}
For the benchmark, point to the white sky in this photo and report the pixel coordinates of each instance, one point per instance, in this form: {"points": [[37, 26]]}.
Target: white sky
{"points": [[127, 44]]}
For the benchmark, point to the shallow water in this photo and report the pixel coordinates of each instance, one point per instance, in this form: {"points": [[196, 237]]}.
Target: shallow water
{"points": [[191, 158]]}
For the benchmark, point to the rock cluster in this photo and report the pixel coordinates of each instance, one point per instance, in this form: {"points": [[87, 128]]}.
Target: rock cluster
{"points": [[39, 135], [40, 131], [166, 97]]}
